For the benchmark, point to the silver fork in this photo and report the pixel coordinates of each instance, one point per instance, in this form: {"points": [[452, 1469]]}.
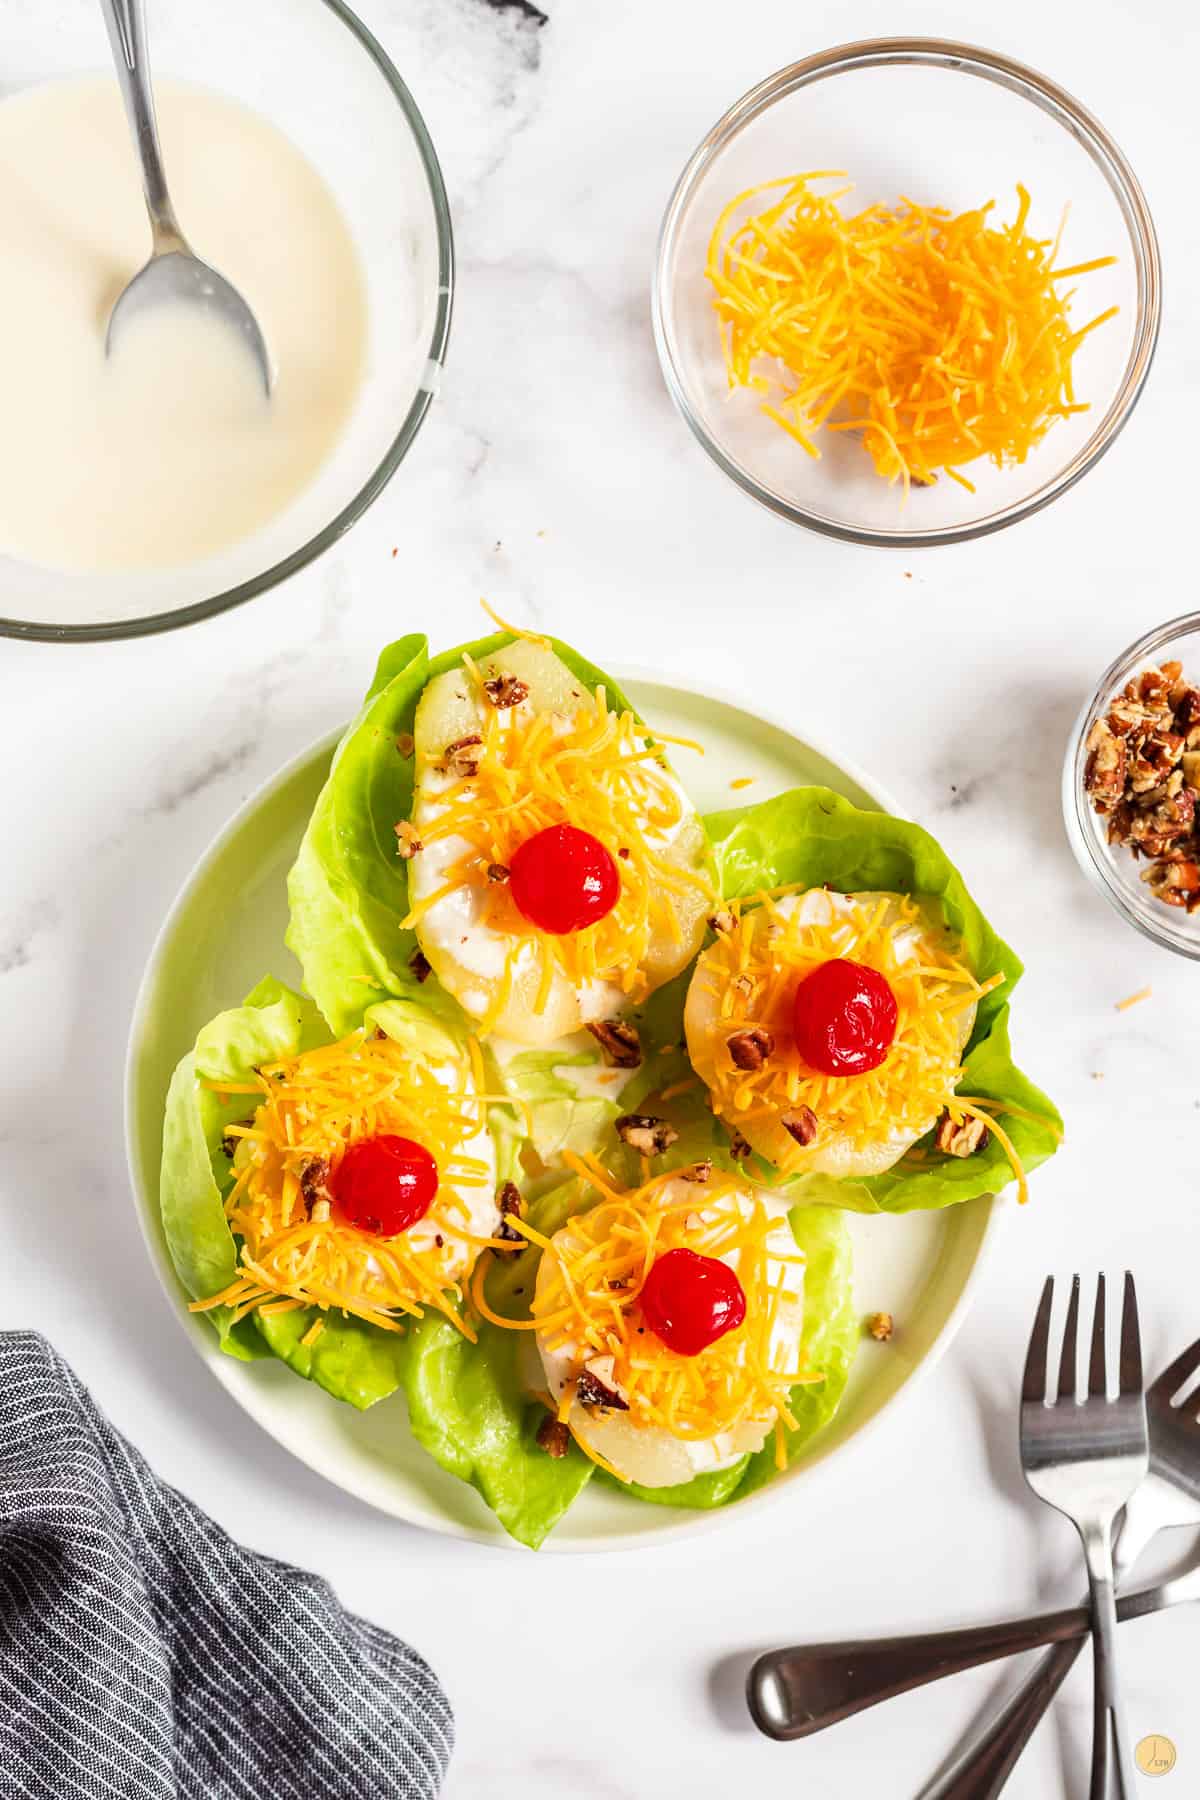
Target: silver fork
{"points": [[1086, 1457], [795, 1692]]}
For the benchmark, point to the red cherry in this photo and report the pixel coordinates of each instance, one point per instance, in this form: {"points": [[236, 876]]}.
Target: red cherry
{"points": [[384, 1184], [562, 879], [689, 1301], [845, 1018]]}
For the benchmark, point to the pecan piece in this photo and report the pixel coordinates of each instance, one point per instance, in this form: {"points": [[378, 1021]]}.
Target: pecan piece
{"points": [[800, 1123], [462, 757], [620, 1042], [553, 1437], [721, 921], [406, 744], [697, 1171], [229, 1143], [509, 1202], [749, 1049], [1108, 760], [596, 1395], [645, 1134], [739, 1147], [960, 1139], [408, 844], [420, 965], [881, 1325], [505, 690], [1189, 764], [314, 1184], [498, 873]]}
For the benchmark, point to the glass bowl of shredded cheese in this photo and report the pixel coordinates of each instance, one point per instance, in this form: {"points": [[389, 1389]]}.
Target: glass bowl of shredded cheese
{"points": [[907, 292]]}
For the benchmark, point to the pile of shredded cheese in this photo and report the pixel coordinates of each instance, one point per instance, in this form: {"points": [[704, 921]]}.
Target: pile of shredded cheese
{"points": [[591, 1278], [753, 971], [939, 338], [307, 1110], [597, 771]]}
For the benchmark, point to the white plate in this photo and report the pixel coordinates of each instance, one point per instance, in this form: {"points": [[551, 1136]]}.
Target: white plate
{"points": [[226, 930]]}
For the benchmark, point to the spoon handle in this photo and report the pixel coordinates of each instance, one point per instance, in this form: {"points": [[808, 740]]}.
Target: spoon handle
{"points": [[126, 22]]}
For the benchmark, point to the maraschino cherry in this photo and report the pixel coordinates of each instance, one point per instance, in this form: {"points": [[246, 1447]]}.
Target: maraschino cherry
{"points": [[689, 1301], [384, 1184], [845, 1018], [563, 879]]}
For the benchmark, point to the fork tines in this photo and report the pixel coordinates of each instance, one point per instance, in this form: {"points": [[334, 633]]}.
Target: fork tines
{"points": [[1129, 1359]]}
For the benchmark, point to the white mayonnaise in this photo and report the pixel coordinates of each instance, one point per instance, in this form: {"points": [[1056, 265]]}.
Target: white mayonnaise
{"points": [[169, 450]]}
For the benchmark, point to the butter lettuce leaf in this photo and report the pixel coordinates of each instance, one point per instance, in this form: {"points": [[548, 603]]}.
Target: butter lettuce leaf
{"points": [[348, 888], [195, 1172], [813, 837]]}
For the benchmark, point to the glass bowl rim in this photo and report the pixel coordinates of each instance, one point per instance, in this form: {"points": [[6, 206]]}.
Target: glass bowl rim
{"points": [[1028, 84], [1077, 811], [152, 623]]}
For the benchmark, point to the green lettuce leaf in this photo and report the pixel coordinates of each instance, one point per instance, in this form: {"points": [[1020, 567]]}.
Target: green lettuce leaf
{"points": [[468, 1404], [195, 1172], [351, 1359], [812, 836], [828, 1344], [348, 889], [562, 1116]]}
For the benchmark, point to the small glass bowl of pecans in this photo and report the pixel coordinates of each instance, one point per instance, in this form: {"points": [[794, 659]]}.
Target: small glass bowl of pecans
{"points": [[1131, 785]]}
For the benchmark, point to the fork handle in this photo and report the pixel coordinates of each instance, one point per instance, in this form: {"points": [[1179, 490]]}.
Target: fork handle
{"points": [[1112, 1761], [795, 1692], [981, 1771]]}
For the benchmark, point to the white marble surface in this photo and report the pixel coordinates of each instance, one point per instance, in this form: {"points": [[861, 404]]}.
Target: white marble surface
{"points": [[554, 477]]}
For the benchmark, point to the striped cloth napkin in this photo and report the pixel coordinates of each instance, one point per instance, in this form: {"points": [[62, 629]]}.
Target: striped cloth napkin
{"points": [[145, 1656]]}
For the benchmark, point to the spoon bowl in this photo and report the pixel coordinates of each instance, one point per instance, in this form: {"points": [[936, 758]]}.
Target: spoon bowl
{"points": [[174, 272], [177, 276]]}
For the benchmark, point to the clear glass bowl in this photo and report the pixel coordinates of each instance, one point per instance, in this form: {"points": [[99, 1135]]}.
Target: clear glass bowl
{"points": [[942, 123], [1111, 867], [313, 69]]}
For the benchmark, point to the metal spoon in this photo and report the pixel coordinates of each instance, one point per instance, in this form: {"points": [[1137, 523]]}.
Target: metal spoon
{"points": [[173, 272]]}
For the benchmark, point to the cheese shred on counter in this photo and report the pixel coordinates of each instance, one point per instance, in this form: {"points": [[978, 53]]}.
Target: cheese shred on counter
{"points": [[940, 338]]}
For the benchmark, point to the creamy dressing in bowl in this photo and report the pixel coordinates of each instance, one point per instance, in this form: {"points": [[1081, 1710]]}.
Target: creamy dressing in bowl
{"points": [[168, 451]]}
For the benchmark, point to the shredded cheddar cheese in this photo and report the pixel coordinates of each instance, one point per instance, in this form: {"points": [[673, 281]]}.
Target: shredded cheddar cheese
{"points": [[940, 338], [588, 1302], [295, 1251], [596, 770], [753, 970]]}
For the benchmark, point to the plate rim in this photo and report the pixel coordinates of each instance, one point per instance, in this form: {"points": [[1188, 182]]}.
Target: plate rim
{"points": [[225, 1369]]}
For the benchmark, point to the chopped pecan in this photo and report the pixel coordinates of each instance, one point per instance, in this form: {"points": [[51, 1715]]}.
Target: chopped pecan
{"points": [[420, 965], [749, 1049], [1189, 765], [596, 1395], [505, 690], [408, 844], [801, 1124], [721, 921], [881, 1325], [553, 1437], [960, 1139], [314, 1182], [697, 1171], [462, 757], [1175, 880], [1104, 775], [620, 1042], [406, 743], [229, 1142], [509, 1201], [739, 1147], [498, 873], [645, 1134]]}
